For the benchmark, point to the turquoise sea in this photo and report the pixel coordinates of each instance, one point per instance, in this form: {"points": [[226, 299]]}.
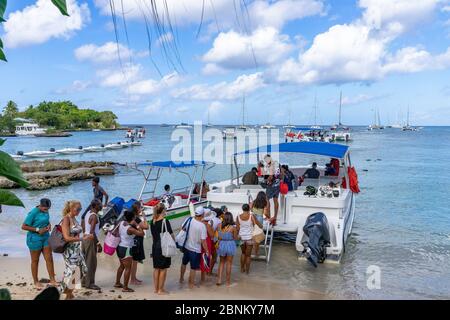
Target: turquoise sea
{"points": [[402, 220]]}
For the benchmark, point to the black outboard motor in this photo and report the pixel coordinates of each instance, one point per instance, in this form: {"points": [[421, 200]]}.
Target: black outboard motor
{"points": [[316, 238], [112, 212]]}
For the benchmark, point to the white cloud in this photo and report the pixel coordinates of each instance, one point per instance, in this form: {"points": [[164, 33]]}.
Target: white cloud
{"points": [[119, 77], [154, 107], [244, 84], [359, 51], [232, 50], [103, 54], [42, 21], [165, 38], [215, 108], [150, 86], [182, 109], [76, 86]]}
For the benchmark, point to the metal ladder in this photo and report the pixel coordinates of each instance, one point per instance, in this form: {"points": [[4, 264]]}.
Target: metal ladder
{"points": [[267, 246]]}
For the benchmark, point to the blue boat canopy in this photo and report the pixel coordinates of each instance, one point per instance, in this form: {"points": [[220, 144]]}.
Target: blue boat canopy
{"points": [[319, 148], [172, 164]]}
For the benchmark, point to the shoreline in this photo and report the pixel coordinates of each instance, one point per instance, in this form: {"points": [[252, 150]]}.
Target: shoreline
{"points": [[16, 276]]}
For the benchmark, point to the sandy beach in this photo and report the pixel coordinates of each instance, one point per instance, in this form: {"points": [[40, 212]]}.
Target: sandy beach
{"points": [[15, 275]]}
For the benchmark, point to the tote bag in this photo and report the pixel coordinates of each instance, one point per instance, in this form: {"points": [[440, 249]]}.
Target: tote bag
{"points": [[168, 245], [258, 234], [112, 241], [181, 237], [56, 240]]}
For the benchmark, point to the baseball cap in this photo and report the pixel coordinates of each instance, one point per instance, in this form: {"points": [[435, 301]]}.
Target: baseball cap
{"points": [[199, 211], [208, 214]]}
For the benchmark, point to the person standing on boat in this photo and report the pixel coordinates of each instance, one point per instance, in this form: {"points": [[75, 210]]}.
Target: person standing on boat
{"points": [[127, 233], [99, 194], [272, 185], [138, 251], [287, 176], [160, 263], [196, 240], [37, 223], [227, 235], [245, 224], [72, 255], [91, 246]]}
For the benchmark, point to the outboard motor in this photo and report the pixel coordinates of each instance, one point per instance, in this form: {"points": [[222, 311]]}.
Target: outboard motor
{"points": [[316, 238], [112, 211]]}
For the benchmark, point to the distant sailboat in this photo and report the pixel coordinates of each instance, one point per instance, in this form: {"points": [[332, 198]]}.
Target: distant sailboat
{"points": [[377, 123], [316, 126], [340, 132], [289, 125], [243, 126], [408, 127], [208, 124]]}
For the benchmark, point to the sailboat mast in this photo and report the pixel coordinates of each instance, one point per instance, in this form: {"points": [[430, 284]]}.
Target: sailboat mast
{"points": [[378, 114], [315, 109], [407, 119], [243, 111], [340, 109]]}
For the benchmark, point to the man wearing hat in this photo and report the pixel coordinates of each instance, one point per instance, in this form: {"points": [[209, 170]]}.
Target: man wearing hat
{"points": [[195, 241]]}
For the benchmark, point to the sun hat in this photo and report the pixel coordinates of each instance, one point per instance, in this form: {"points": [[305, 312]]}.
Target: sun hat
{"points": [[199, 211]]}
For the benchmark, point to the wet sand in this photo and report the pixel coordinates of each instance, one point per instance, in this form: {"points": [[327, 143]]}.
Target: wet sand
{"points": [[15, 275]]}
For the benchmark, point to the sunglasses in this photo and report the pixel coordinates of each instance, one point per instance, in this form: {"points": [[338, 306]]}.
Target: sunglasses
{"points": [[79, 209]]}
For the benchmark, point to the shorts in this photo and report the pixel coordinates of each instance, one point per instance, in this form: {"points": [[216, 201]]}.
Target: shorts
{"points": [[123, 252], [247, 242], [260, 218], [36, 241], [193, 258], [272, 192]]}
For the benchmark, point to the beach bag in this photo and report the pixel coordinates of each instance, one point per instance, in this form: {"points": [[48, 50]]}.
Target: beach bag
{"points": [[56, 240], [112, 241], [284, 189], [181, 237], [168, 245], [258, 234]]}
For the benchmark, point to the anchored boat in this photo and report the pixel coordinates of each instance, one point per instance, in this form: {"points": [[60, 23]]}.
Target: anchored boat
{"points": [[71, 150], [178, 206], [112, 146], [41, 154], [319, 223], [95, 148]]}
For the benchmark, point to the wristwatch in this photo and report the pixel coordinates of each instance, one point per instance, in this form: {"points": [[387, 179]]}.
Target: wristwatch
{"points": [[37, 230]]}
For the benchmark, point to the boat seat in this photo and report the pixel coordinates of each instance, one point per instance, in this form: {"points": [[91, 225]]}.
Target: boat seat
{"points": [[310, 182]]}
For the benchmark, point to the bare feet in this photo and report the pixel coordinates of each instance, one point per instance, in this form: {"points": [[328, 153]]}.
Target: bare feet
{"points": [[136, 282], [38, 285], [191, 285], [162, 292]]}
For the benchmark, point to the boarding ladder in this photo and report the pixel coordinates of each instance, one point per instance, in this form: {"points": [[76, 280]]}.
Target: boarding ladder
{"points": [[268, 239]]}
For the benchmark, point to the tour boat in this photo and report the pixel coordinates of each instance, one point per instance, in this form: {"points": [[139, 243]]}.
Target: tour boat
{"points": [[319, 223], [29, 129], [95, 148], [71, 150], [138, 132], [184, 198], [312, 133], [41, 154]]}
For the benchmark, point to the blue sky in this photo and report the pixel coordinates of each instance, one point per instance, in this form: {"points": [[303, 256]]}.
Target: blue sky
{"points": [[382, 54]]}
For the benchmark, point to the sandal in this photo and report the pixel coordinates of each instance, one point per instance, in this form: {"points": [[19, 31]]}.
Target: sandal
{"points": [[118, 285], [127, 290]]}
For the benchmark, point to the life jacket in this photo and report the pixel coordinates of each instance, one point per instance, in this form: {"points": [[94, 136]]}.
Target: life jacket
{"points": [[353, 178]]}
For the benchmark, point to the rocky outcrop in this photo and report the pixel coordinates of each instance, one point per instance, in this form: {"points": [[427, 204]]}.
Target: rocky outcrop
{"points": [[53, 173]]}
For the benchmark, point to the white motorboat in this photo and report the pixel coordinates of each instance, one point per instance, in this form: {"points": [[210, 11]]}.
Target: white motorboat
{"points": [[95, 148], [71, 150], [183, 126], [41, 154], [125, 144], [112, 146], [268, 126], [28, 129], [18, 156], [229, 133], [183, 199], [299, 207]]}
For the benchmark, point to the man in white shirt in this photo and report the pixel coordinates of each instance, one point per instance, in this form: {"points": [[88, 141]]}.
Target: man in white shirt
{"points": [[196, 239]]}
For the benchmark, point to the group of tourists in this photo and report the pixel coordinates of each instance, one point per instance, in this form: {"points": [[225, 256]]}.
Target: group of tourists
{"points": [[212, 236]]}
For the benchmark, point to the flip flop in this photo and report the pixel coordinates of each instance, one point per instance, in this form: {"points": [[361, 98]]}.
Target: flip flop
{"points": [[127, 290], [118, 286]]}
